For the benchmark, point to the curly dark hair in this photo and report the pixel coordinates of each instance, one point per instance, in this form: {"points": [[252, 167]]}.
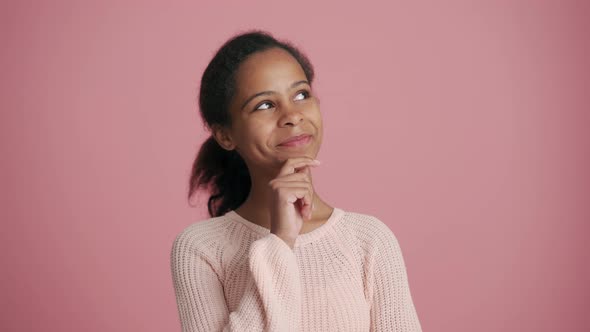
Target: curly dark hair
{"points": [[223, 173]]}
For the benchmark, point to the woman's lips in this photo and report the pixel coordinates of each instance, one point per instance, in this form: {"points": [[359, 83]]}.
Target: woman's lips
{"points": [[298, 142]]}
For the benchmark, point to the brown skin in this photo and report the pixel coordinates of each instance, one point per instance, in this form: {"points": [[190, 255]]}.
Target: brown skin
{"points": [[282, 190]]}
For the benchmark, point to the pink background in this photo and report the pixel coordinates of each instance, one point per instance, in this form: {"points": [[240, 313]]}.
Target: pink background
{"points": [[464, 125]]}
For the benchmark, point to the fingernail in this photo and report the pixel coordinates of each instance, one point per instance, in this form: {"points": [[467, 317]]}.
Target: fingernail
{"points": [[317, 161]]}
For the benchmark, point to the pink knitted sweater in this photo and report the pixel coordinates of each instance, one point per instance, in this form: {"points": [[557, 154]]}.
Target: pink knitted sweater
{"points": [[231, 274]]}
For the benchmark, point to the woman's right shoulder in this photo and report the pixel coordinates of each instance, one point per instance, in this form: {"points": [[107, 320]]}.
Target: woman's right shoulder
{"points": [[205, 234]]}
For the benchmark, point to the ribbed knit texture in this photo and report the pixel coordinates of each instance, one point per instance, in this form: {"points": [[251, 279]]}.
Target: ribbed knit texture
{"points": [[346, 275]]}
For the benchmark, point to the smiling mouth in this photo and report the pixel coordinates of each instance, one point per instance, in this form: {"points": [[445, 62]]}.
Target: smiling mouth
{"points": [[302, 141]]}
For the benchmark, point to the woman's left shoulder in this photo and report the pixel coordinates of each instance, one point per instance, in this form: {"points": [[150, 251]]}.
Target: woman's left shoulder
{"points": [[368, 227]]}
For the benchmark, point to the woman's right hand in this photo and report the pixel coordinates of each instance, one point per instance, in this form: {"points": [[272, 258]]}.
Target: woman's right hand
{"points": [[292, 197]]}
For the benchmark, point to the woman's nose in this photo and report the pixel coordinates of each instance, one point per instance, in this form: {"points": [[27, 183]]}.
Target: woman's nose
{"points": [[291, 115]]}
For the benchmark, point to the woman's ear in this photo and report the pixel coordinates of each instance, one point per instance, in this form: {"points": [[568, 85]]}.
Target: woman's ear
{"points": [[223, 137]]}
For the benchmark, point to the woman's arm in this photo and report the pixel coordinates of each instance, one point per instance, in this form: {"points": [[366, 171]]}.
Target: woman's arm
{"points": [[392, 308], [271, 301]]}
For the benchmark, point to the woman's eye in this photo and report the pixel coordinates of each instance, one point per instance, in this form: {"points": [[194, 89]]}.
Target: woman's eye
{"points": [[302, 93], [268, 105]]}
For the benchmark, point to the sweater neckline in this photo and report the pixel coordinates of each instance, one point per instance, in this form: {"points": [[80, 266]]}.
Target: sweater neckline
{"points": [[301, 239]]}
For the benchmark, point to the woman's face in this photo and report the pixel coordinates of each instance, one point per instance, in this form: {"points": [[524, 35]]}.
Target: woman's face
{"points": [[273, 102]]}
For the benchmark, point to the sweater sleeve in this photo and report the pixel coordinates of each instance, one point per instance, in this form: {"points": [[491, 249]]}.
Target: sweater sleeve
{"points": [[392, 308], [271, 300]]}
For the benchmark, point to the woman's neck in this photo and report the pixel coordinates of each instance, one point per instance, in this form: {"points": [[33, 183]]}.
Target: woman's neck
{"points": [[257, 210]]}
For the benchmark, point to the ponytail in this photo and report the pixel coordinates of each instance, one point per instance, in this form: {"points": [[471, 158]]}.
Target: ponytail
{"points": [[224, 174]]}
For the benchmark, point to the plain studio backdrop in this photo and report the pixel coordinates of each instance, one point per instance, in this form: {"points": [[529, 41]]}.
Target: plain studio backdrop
{"points": [[463, 125]]}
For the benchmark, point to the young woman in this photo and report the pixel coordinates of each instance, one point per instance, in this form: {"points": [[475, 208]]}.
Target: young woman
{"points": [[274, 256]]}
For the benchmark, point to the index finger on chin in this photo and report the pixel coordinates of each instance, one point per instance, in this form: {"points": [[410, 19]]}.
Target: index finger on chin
{"points": [[293, 164]]}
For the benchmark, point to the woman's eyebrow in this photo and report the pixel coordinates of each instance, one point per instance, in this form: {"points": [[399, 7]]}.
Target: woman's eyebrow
{"points": [[266, 93]]}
